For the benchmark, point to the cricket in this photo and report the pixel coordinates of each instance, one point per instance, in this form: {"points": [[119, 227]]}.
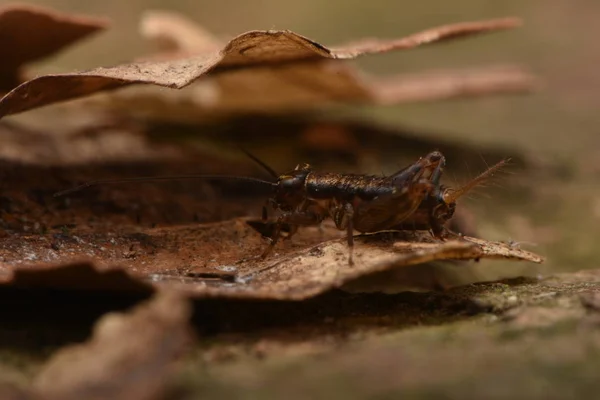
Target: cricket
{"points": [[410, 199]]}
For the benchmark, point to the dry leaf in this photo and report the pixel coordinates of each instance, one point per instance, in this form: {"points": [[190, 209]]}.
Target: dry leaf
{"points": [[296, 87], [448, 84], [130, 356], [269, 89], [29, 33], [172, 33], [301, 60], [219, 260]]}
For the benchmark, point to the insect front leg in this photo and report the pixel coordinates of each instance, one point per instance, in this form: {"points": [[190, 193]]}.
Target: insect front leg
{"points": [[307, 208], [270, 203], [294, 219]]}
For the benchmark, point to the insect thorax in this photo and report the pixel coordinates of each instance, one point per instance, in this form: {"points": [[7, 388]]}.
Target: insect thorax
{"points": [[321, 185]]}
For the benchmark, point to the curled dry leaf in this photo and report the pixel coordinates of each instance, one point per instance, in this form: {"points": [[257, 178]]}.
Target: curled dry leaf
{"points": [[299, 62], [219, 260], [29, 33], [130, 355]]}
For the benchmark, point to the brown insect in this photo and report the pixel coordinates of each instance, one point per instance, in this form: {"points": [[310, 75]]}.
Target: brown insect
{"points": [[411, 199]]}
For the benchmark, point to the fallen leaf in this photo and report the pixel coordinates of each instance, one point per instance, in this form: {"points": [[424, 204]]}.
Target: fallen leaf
{"points": [[29, 33], [130, 355], [448, 84], [297, 87], [219, 260], [299, 59], [269, 89]]}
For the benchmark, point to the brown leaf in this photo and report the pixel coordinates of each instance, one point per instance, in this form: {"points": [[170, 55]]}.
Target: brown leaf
{"points": [[269, 89], [448, 84], [29, 33], [293, 87], [219, 260], [129, 356], [271, 50]]}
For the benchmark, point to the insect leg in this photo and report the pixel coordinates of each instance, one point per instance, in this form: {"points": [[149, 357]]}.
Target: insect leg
{"points": [[274, 239], [307, 208], [343, 217], [295, 219], [265, 209], [437, 218], [292, 232], [349, 215]]}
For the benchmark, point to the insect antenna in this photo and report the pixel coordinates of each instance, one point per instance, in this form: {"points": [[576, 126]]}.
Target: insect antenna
{"points": [[163, 178], [260, 162], [452, 195]]}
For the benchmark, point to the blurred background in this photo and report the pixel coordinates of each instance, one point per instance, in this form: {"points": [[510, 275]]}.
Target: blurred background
{"points": [[552, 207]]}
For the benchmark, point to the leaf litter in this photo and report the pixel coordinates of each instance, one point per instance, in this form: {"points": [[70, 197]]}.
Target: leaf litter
{"points": [[130, 355], [30, 33], [288, 70], [219, 260]]}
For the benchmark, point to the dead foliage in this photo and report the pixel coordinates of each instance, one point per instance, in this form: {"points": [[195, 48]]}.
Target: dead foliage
{"points": [[298, 87], [282, 68], [30, 33], [219, 260], [129, 356]]}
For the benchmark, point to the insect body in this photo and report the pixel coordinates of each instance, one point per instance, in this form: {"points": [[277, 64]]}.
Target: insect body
{"points": [[411, 199], [354, 202]]}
